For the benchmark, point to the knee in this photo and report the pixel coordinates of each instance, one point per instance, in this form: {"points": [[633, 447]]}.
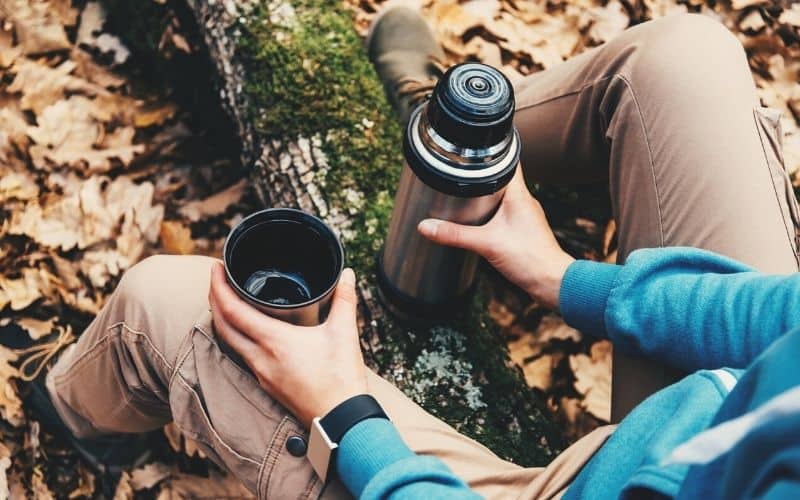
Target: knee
{"points": [[692, 35], [141, 282], [687, 51]]}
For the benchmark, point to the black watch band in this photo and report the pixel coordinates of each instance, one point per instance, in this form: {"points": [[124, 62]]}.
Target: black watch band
{"points": [[348, 413]]}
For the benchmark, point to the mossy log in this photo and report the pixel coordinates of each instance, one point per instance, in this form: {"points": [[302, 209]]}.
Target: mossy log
{"points": [[317, 129]]}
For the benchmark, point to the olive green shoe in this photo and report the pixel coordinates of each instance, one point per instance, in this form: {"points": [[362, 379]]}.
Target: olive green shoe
{"points": [[406, 56]]}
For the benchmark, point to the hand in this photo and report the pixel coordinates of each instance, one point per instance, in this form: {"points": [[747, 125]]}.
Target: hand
{"points": [[309, 370], [517, 241]]}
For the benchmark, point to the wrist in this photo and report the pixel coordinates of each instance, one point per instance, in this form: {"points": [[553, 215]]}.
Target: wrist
{"points": [[546, 287]]}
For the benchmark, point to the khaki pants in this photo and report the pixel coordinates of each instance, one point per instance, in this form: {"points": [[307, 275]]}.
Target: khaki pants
{"points": [[667, 113]]}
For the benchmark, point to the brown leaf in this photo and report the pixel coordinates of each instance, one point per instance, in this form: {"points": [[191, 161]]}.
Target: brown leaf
{"points": [[85, 488], [791, 15], [101, 265], [216, 485], [83, 142], [538, 373], [147, 476], [593, 379], [606, 22], [124, 489], [608, 237], [18, 185], [8, 51], [5, 464], [154, 115], [10, 404], [38, 27], [753, 21], [89, 33], [90, 212], [176, 237], [36, 328], [215, 204], [42, 86], [22, 292], [741, 4]]}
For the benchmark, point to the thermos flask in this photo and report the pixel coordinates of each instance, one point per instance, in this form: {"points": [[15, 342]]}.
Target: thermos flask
{"points": [[461, 150]]}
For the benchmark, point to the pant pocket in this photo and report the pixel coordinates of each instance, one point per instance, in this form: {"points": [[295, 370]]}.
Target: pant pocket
{"points": [[236, 423], [771, 134]]}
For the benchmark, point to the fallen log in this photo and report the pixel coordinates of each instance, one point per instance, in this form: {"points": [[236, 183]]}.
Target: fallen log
{"points": [[316, 128]]}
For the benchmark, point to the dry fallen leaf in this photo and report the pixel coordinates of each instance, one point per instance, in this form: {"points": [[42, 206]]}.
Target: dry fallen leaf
{"points": [[38, 28], [176, 237], [593, 379], [215, 204], [23, 291], [607, 21], [19, 186], [147, 476], [5, 465], [89, 33], [36, 328], [10, 404], [181, 486], [538, 373], [124, 489]]}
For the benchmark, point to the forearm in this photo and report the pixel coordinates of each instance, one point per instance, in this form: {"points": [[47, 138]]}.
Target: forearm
{"points": [[690, 308]]}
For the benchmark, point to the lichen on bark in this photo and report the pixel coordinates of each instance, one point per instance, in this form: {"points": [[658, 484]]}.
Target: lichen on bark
{"points": [[318, 131]]}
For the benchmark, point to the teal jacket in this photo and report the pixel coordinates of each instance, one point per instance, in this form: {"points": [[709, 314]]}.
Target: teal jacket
{"points": [[731, 429]]}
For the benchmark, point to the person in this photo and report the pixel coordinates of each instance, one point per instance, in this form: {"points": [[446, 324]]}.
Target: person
{"points": [[667, 114]]}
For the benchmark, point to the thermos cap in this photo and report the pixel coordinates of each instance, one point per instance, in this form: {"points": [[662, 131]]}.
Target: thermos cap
{"points": [[472, 106], [462, 142]]}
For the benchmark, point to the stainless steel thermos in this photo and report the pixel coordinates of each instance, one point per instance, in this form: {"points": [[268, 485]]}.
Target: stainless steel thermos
{"points": [[461, 150]]}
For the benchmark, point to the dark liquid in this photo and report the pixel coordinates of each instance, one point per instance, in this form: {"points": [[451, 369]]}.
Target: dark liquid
{"points": [[277, 287]]}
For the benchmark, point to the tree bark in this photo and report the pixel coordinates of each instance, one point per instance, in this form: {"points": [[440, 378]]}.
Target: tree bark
{"points": [[317, 130]]}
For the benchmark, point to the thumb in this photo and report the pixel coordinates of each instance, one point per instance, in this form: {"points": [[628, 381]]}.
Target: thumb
{"points": [[454, 235], [345, 300]]}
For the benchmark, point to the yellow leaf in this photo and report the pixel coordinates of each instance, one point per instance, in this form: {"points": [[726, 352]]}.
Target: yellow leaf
{"points": [[150, 116], [176, 237]]}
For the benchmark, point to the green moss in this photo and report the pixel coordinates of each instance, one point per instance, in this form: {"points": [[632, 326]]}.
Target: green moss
{"points": [[307, 75]]}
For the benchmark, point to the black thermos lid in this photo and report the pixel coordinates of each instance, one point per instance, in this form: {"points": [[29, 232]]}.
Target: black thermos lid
{"points": [[472, 106]]}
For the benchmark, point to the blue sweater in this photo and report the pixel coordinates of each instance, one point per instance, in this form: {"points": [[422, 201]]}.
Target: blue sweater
{"points": [[728, 430]]}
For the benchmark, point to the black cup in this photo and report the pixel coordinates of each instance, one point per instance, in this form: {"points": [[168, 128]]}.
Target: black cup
{"points": [[286, 263]]}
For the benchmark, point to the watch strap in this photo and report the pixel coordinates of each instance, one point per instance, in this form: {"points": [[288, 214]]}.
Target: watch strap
{"points": [[348, 413]]}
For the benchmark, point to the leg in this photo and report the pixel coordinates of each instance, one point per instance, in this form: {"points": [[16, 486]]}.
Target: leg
{"points": [[150, 357], [668, 113]]}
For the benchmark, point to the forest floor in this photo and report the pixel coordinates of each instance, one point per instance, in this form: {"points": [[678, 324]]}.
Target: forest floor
{"points": [[100, 166]]}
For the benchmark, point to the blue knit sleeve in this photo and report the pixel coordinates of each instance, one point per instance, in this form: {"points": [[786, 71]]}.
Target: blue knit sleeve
{"points": [[373, 462], [690, 308]]}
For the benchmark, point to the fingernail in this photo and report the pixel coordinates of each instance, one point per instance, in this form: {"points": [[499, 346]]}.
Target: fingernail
{"points": [[428, 227], [348, 276]]}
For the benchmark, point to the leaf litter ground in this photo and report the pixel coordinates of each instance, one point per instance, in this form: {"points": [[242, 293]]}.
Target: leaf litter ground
{"points": [[98, 171]]}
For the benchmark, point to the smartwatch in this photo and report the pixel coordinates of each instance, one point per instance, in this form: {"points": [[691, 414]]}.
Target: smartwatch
{"points": [[328, 431]]}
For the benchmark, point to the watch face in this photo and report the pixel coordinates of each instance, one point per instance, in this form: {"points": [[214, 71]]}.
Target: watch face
{"points": [[320, 450]]}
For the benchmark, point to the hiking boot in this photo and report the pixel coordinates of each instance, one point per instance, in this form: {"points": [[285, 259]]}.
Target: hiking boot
{"points": [[107, 456], [406, 56]]}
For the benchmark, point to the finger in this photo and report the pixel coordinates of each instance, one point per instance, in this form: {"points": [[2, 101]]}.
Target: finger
{"points": [[242, 316], [345, 301], [240, 343], [447, 233]]}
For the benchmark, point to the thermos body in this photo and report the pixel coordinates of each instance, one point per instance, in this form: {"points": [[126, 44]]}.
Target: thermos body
{"points": [[418, 268], [461, 151]]}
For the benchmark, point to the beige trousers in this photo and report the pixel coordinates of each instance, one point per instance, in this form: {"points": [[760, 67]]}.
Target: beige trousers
{"points": [[666, 112]]}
